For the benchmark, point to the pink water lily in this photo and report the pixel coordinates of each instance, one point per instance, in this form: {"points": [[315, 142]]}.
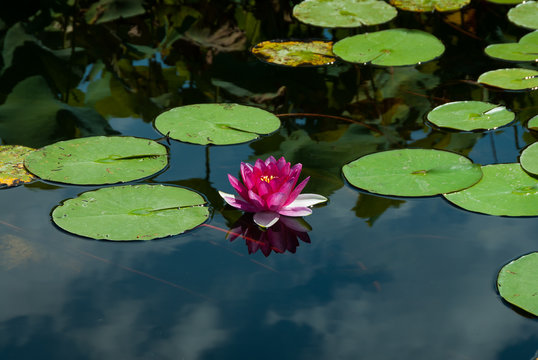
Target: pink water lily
{"points": [[268, 190]]}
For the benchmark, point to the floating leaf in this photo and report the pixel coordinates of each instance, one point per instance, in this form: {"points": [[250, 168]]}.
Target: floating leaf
{"points": [[412, 172], [344, 13], [529, 159], [517, 283], [505, 2], [470, 115], [219, 124], [132, 212], [525, 15], [393, 47], [505, 189], [98, 160], [524, 50], [511, 79], [532, 124], [12, 171], [295, 53], [429, 5]]}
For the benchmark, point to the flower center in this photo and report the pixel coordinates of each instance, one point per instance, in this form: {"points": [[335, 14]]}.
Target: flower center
{"points": [[268, 178]]}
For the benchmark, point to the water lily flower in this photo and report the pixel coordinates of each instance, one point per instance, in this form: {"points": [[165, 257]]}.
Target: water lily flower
{"points": [[268, 190]]}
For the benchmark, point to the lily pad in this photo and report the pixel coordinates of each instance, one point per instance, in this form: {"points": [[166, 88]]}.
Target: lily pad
{"points": [[525, 15], [98, 160], [344, 13], [295, 53], [132, 212], [219, 124], [505, 2], [393, 47], [470, 115], [412, 172], [505, 190], [12, 171], [524, 50], [517, 283], [429, 5], [529, 159], [511, 79], [532, 124]]}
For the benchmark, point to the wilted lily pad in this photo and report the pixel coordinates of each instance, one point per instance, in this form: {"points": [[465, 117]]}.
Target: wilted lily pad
{"points": [[393, 47], [529, 159], [511, 79], [505, 190], [132, 212], [524, 50], [412, 172], [295, 53], [12, 171], [429, 5], [532, 124], [470, 115], [219, 124], [525, 15], [98, 160], [518, 283]]}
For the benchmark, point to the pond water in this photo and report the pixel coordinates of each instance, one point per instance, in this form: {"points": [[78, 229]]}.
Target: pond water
{"points": [[377, 278]]}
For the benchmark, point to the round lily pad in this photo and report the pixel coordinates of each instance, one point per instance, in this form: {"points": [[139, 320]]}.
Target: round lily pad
{"points": [[344, 13], [529, 159], [505, 2], [219, 124], [393, 47], [98, 160], [132, 212], [524, 50], [525, 15], [412, 172], [505, 190], [511, 79], [429, 5], [12, 171], [517, 283], [295, 52], [532, 124], [470, 115]]}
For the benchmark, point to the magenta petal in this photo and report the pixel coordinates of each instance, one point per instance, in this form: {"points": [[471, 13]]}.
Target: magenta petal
{"points": [[241, 190], [246, 174], [296, 191], [237, 202], [270, 160], [295, 211], [256, 200], [266, 218], [263, 188], [276, 200], [281, 163]]}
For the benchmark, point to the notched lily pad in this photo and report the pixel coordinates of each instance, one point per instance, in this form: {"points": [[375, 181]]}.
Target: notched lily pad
{"points": [[532, 124], [295, 52], [529, 159], [524, 50], [517, 283], [412, 172], [219, 124], [470, 115], [98, 160], [393, 47], [525, 15], [429, 5], [12, 171], [505, 190], [511, 79], [132, 212]]}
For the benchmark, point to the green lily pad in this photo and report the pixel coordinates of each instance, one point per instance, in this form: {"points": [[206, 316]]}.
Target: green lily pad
{"points": [[393, 47], [505, 2], [470, 115], [529, 159], [295, 53], [525, 15], [12, 171], [429, 5], [524, 50], [412, 172], [505, 190], [532, 124], [132, 212], [517, 283], [344, 13], [511, 79], [98, 160], [219, 124]]}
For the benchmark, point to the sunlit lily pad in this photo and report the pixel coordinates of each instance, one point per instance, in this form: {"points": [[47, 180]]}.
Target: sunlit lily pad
{"points": [[295, 53], [98, 160], [344, 13], [505, 189], [524, 50], [532, 124], [429, 5], [470, 115], [529, 159], [525, 15], [219, 124], [12, 171], [511, 79], [393, 47], [412, 172], [132, 212], [505, 2], [517, 283]]}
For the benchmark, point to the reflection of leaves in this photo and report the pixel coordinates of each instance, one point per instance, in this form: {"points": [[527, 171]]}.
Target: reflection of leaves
{"points": [[458, 142], [371, 207], [15, 251], [109, 10]]}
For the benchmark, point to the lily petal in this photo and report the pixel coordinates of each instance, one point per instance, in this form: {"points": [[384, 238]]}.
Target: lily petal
{"points": [[266, 218], [295, 211], [236, 184], [237, 202], [276, 200], [304, 200], [296, 191]]}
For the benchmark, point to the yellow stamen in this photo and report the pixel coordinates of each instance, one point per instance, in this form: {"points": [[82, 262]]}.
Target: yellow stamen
{"points": [[267, 178]]}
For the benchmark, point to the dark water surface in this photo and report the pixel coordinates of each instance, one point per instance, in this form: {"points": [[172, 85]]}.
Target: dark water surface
{"points": [[381, 278]]}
